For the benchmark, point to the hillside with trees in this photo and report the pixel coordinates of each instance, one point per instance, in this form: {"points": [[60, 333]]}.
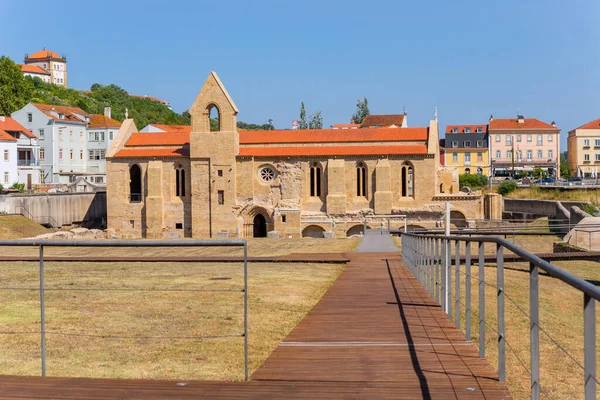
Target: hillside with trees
{"points": [[17, 90]]}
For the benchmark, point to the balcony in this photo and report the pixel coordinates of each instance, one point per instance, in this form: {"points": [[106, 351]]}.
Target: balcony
{"points": [[28, 163]]}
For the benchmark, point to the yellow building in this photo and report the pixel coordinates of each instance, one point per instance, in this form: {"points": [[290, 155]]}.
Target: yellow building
{"points": [[467, 149], [584, 150]]}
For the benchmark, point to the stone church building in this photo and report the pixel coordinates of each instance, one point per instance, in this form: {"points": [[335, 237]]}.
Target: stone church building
{"points": [[194, 182]]}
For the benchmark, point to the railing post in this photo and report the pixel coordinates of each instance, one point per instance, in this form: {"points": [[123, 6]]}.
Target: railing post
{"points": [[42, 312], [246, 310], [443, 259], [589, 346], [534, 330], [468, 290], [437, 270], [481, 299], [457, 285], [449, 280], [500, 302]]}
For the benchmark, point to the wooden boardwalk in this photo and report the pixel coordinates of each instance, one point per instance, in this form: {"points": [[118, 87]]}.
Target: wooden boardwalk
{"points": [[375, 334]]}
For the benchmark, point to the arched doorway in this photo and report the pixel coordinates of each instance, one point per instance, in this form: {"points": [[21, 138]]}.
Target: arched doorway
{"points": [[260, 226], [458, 219], [313, 231]]}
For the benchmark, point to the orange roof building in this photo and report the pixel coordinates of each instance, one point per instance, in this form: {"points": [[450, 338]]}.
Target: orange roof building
{"points": [[46, 65], [190, 181], [522, 145], [584, 150]]}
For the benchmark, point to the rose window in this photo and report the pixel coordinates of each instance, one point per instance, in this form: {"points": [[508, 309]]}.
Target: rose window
{"points": [[266, 174]]}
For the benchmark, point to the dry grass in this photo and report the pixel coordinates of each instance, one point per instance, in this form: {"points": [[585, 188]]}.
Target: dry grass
{"points": [[535, 192], [256, 247], [17, 227], [279, 297]]}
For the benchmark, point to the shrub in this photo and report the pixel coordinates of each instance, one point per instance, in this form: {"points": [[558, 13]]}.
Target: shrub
{"points": [[19, 186], [591, 209], [506, 187], [474, 181]]}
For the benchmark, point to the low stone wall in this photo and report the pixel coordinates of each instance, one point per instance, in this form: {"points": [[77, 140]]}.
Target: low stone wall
{"points": [[536, 208], [576, 215], [58, 209]]}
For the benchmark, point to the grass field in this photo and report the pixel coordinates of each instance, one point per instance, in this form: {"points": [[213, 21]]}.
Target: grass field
{"points": [[535, 192], [256, 247], [18, 227], [279, 297]]}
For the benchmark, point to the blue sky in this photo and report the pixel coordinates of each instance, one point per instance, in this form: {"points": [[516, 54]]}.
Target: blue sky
{"points": [[470, 58]]}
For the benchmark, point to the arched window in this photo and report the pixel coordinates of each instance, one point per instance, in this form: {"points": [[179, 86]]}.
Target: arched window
{"points": [[179, 181], [214, 116], [315, 180], [408, 181], [361, 180], [467, 171], [135, 184]]}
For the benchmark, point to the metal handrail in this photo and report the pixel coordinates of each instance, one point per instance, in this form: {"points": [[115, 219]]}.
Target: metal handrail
{"points": [[429, 259], [128, 243]]}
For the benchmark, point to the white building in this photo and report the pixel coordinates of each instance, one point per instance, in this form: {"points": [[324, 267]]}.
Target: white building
{"points": [[101, 131], [35, 72], [62, 136], [19, 151], [72, 143], [50, 62]]}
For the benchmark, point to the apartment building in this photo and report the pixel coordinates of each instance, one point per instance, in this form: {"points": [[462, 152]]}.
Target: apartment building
{"points": [[467, 148], [523, 144], [19, 154], [584, 150]]}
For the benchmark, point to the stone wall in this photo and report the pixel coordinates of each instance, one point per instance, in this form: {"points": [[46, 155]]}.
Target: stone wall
{"points": [[576, 215], [527, 208]]}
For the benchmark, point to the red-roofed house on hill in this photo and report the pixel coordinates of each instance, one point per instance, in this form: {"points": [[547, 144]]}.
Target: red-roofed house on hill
{"points": [[50, 62], [169, 182], [535, 144], [72, 142], [35, 72]]}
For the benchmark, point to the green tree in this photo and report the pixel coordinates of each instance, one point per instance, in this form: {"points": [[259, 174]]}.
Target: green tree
{"points": [[362, 110], [507, 187], [302, 123], [473, 181], [539, 173], [15, 89], [565, 171], [316, 120]]}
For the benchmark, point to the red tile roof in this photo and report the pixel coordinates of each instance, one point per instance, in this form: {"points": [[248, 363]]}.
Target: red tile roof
{"points": [[513, 123], [9, 124], [158, 139], [461, 128], [128, 153], [100, 121], [595, 124], [383, 120], [334, 135], [331, 151], [173, 128], [33, 69], [6, 137], [346, 126], [68, 112], [43, 54]]}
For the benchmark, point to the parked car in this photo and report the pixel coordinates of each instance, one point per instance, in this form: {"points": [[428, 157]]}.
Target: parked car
{"points": [[547, 180], [575, 179]]}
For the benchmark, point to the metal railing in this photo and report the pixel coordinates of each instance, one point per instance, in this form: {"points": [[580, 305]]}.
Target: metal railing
{"points": [[42, 244], [42, 220], [430, 259], [28, 163]]}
